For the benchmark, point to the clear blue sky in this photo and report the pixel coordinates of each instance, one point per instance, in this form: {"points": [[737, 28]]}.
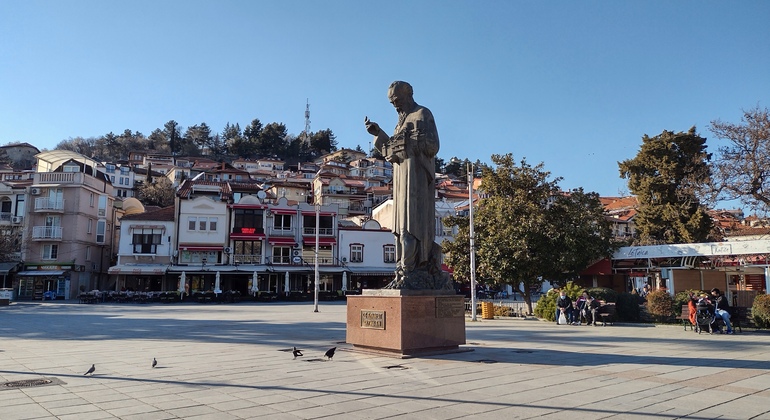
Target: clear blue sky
{"points": [[572, 84]]}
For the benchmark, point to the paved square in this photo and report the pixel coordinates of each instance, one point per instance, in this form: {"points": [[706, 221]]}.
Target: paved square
{"points": [[234, 362]]}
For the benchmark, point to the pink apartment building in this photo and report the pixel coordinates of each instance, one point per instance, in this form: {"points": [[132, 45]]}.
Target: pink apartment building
{"points": [[69, 228]]}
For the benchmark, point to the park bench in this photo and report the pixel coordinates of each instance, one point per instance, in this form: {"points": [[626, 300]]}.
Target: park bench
{"points": [[685, 317], [739, 316], [606, 313]]}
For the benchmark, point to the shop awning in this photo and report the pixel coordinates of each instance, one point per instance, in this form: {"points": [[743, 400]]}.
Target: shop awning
{"points": [[325, 241], [199, 247], [201, 269], [8, 267], [40, 273], [283, 211], [247, 236], [139, 269], [278, 240], [323, 213]]}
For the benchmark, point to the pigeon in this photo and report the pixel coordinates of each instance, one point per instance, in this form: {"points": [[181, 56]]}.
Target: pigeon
{"points": [[90, 371], [297, 352], [154, 362], [330, 353]]}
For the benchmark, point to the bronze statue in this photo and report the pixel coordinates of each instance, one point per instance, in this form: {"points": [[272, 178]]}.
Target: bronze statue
{"points": [[412, 151]]}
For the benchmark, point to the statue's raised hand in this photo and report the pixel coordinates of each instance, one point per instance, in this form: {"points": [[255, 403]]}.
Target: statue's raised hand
{"points": [[372, 127]]}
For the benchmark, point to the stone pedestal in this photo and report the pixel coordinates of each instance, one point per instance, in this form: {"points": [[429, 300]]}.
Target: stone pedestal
{"points": [[406, 322]]}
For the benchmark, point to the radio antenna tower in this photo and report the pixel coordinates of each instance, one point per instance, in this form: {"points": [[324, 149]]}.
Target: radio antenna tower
{"points": [[307, 123]]}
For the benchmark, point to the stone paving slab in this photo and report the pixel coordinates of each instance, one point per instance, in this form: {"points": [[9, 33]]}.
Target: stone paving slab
{"points": [[233, 362]]}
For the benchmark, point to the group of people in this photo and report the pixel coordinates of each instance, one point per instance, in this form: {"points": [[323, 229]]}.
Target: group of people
{"points": [[716, 304], [574, 313]]}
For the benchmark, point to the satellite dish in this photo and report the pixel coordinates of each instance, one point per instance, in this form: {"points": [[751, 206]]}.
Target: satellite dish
{"points": [[261, 195]]}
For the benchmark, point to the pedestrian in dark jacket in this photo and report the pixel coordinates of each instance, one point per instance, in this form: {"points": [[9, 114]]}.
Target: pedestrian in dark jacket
{"points": [[564, 306]]}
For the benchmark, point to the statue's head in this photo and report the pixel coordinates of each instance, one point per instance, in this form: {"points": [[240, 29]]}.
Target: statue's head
{"points": [[400, 95]]}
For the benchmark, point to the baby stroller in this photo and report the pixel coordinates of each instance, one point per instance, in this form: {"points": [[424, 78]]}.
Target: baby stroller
{"points": [[705, 318]]}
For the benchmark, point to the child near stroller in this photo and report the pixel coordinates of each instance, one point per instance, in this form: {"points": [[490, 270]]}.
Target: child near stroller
{"points": [[705, 319]]}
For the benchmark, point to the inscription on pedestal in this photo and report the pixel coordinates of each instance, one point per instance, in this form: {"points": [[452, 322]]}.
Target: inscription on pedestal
{"points": [[372, 319], [450, 307]]}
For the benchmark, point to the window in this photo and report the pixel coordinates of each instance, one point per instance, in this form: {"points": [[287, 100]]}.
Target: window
{"points": [[146, 241], [389, 252], [110, 168], [112, 178], [101, 228], [213, 224], [88, 253], [124, 170], [90, 223], [71, 167], [325, 224], [248, 221], [247, 252], [282, 222], [281, 255], [191, 222], [356, 253], [102, 205], [50, 252], [91, 200], [202, 223]]}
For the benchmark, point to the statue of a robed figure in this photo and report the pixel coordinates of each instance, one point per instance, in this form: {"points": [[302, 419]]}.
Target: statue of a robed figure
{"points": [[412, 150]]}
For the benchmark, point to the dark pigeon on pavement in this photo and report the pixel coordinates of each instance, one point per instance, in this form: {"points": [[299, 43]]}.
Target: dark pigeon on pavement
{"points": [[154, 362], [297, 352], [330, 353], [90, 371]]}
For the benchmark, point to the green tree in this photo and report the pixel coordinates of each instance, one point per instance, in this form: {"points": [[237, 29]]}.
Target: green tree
{"points": [[272, 140], [157, 142], [173, 134], [740, 169], [232, 138], [158, 193], [323, 142], [528, 231], [199, 135], [666, 175]]}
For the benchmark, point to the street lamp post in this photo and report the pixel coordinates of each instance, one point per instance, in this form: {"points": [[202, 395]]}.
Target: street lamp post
{"points": [[317, 223], [472, 245]]}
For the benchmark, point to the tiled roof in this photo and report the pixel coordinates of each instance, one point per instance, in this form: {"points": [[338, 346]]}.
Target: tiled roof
{"points": [[186, 189], [165, 214]]}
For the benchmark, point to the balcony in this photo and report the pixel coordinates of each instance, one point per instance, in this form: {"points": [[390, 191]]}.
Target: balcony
{"points": [[46, 232], [247, 259], [321, 231], [45, 204]]}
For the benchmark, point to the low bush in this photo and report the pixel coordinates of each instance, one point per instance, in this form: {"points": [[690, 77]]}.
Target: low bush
{"points": [[546, 306], [681, 298], [760, 311], [627, 307], [661, 305]]}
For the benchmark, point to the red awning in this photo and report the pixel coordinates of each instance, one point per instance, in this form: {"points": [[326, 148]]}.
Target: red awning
{"points": [[247, 206], [199, 247], [253, 236], [310, 240], [281, 240], [446, 269], [323, 213], [283, 211]]}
